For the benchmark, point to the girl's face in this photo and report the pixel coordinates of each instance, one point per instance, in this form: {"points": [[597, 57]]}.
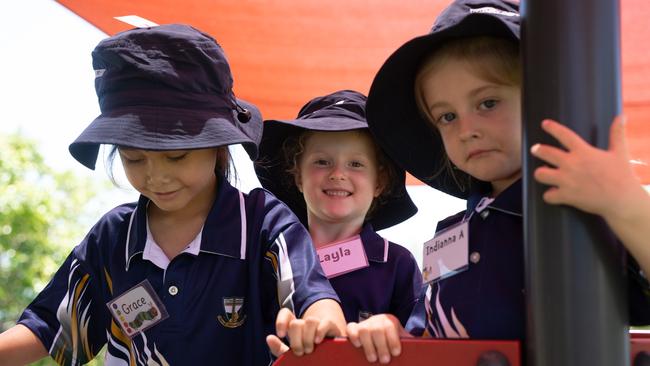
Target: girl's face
{"points": [[338, 175], [479, 122], [176, 181]]}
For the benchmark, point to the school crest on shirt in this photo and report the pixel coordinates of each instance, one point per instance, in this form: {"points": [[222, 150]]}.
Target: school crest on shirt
{"points": [[232, 307]]}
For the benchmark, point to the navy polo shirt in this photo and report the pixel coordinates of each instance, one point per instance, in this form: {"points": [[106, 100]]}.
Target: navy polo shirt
{"points": [[487, 301], [253, 250], [391, 283]]}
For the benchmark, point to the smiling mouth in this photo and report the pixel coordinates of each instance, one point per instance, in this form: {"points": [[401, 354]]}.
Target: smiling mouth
{"points": [[336, 193], [165, 194]]}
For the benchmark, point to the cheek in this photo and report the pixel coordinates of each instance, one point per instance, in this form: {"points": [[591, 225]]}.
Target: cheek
{"points": [[452, 151]]}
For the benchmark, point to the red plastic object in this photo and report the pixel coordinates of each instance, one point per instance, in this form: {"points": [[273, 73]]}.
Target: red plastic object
{"points": [[640, 342], [439, 352]]}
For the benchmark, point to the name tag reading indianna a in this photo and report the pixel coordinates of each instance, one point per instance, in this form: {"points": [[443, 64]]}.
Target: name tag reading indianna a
{"points": [[342, 257], [446, 254]]}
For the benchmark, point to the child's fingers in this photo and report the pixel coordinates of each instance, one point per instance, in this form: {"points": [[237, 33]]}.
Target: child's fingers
{"points": [[549, 154], [276, 346], [393, 341], [564, 135], [554, 196], [368, 345], [325, 328], [353, 334], [309, 334], [285, 316], [380, 340], [547, 175], [617, 141], [295, 336]]}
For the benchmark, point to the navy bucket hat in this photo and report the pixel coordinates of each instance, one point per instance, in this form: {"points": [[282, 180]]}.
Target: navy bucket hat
{"points": [[340, 111], [393, 114], [165, 88]]}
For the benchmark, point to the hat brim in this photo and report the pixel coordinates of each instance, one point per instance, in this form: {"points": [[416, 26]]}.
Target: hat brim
{"points": [[392, 112], [161, 128], [272, 171]]}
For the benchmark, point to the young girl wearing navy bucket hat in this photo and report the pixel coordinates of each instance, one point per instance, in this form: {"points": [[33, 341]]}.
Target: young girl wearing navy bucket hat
{"points": [[326, 167], [196, 271], [446, 107]]}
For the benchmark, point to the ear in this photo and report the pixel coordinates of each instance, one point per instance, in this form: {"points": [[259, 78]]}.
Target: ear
{"points": [[298, 181], [382, 178]]}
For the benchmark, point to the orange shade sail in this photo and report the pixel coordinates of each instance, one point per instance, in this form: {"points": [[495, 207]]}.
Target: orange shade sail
{"points": [[285, 52]]}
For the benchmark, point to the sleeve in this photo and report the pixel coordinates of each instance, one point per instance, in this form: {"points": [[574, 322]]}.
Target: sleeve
{"points": [[408, 286], [638, 294], [300, 278], [69, 315], [417, 321]]}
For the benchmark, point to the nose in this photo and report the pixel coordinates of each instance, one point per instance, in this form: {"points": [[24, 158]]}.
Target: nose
{"points": [[468, 128], [337, 173], [156, 174]]}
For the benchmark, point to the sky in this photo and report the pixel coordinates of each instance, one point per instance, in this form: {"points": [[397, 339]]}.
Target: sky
{"points": [[47, 94]]}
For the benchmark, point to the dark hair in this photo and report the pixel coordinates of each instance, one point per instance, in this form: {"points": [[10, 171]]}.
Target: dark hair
{"points": [[494, 59], [224, 166], [294, 146]]}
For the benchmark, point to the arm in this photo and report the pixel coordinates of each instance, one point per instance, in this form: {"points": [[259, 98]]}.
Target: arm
{"points": [[19, 346], [600, 182]]}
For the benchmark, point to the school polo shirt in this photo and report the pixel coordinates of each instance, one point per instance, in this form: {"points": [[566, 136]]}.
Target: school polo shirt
{"points": [[487, 301], [390, 284], [254, 254]]}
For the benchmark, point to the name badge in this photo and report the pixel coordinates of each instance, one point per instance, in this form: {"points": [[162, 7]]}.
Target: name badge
{"points": [[339, 258], [446, 254], [137, 309]]}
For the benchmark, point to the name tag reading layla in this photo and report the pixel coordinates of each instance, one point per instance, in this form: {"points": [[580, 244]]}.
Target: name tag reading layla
{"points": [[137, 309], [343, 257], [446, 254]]}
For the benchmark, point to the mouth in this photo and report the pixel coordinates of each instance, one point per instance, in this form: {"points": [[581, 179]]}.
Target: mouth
{"points": [[164, 195], [478, 154], [336, 193]]}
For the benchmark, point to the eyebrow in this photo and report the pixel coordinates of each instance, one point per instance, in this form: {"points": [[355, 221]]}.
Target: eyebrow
{"points": [[473, 93]]}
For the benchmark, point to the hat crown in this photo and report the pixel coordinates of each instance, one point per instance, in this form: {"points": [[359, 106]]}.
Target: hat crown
{"points": [[167, 87], [457, 11], [174, 60], [343, 103]]}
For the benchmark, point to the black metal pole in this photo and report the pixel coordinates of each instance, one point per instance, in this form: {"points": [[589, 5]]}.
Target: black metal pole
{"points": [[576, 289]]}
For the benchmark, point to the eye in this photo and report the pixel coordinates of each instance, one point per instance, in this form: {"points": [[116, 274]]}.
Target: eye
{"points": [[446, 118], [177, 157], [356, 164], [321, 162], [130, 159], [488, 104]]}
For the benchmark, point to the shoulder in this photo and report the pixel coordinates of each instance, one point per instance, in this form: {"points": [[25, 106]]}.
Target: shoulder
{"points": [[112, 223], [117, 217], [106, 235], [398, 251], [271, 214], [451, 220]]}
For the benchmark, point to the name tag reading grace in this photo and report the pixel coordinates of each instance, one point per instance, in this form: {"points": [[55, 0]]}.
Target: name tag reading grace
{"points": [[343, 257], [137, 309], [446, 254]]}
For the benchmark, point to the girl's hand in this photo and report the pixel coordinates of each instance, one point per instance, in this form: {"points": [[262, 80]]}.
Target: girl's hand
{"points": [[323, 318], [379, 336], [590, 179]]}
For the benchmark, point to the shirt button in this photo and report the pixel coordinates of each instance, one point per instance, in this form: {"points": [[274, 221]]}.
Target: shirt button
{"points": [[484, 214], [475, 257], [173, 290]]}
